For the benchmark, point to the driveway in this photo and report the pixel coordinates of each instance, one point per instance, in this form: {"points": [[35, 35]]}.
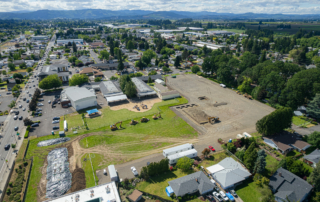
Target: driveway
{"points": [[95, 57], [305, 131]]}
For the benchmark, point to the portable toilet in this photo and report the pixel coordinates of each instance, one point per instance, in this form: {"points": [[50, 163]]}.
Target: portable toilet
{"points": [[52, 132], [230, 141]]}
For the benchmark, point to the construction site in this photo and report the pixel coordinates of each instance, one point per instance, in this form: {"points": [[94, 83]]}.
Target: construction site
{"points": [[216, 111]]}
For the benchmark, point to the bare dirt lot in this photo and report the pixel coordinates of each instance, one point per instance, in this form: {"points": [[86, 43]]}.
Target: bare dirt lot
{"points": [[237, 114], [136, 102]]}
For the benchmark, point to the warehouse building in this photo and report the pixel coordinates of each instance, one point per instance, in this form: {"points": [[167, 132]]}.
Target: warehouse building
{"points": [[79, 98], [39, 38], [66, 41], [112, 92], [143, 90]]}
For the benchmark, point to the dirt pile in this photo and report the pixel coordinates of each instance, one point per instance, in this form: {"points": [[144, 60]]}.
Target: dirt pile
{"points": [[78, 180]]}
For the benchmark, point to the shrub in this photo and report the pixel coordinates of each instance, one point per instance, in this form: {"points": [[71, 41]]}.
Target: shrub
{"points": [[13, 146], [8, 191], [26, 135], [20, 166], [10, 184], [171, 168], [25, 163]]}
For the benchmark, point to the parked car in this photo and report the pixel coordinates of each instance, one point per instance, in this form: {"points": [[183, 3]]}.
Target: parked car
{"points": [[217, 196], [49, 101], [15, 117], [17, 112], [35, 124], [7, 147], [38, 110], [211, 148], [225, 198], [20, 117], [40, 104], [24, 109], [56, 118], [230, 196], [233, 193], [211, 198], [20, 106], [55, 127], [27, 101], [56, 121], [16, 128], [134, 171], [40, 99], [24, 99]]}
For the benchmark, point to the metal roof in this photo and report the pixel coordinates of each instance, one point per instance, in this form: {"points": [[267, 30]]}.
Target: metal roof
{"points": [[112, 171], [142, 88], [76, 93], [177, 148], [182, 154]]}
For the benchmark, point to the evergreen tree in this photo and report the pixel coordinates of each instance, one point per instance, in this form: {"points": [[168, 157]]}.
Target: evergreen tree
{"points": [[177, 62], [130, 45], [111, 45], [313, 108], [260, 162], [250, 156], [263, 57], [74, 47], [314, 178], [149, 80], [120, 64]]}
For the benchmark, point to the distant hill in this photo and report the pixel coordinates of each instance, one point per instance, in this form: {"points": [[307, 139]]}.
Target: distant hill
{"points": [[142, 14]]}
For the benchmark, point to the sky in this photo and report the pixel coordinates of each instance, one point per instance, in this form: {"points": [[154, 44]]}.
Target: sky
{"points": [[219, 6]]}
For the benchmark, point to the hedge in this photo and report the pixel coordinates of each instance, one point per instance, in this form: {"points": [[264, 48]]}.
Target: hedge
{"points": [[26, 135]]}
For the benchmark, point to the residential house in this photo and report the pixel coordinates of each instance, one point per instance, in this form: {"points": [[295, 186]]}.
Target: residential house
{"points": [[311, 67], [97, 45], [135, 196], [108, 66], [29, 63], [18, 62], [190, 184], [286, 142], [228, 173], [286, 185], [313, 158], [91, 71]]}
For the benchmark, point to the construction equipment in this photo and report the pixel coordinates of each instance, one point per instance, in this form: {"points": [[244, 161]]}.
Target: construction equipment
{"points": [[143, 106], [144, 119], [157, 117], [213, 119], [114, 126], [246, 95], [238, 92], [133, 122]]}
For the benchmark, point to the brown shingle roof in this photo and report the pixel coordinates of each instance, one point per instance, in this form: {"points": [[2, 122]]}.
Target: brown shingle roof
{"points": [[135, 195], [284, 141], [88, 70]]}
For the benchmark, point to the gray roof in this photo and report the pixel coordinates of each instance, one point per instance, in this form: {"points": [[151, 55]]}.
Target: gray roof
{"points": [[76, 93], [153, 77], [108, 89], [287, 184], [51, 69], [231, 172], [3, 118], [313, 156], [142, 88], [191, 183]]}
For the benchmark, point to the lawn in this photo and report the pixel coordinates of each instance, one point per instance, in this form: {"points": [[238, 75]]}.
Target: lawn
{"points": [[248, 191], [293, 153], [237, 31], [157, 185], [96, 159], [272, 165], [214, 159]]}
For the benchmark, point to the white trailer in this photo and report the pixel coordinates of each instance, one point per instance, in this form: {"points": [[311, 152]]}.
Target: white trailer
{"points": [[113, 173], [246, 135], [177, 149], [65, 125], [173, 159]]}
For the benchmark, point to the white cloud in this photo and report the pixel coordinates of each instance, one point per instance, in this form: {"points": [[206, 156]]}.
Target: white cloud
{"points": [[220, 6]]}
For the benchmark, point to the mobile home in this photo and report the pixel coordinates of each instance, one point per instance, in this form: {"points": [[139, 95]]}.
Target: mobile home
{"points": [[177, 149], [113, 173], [65, 124], [173, 159]]}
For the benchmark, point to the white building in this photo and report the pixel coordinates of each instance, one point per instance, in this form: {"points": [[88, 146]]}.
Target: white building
{"points": [[111, 92], [106, 192], [209, 45], [191, 28], [53, 57], [143, 90], [66, 41], [80, 98], [39, 38]]}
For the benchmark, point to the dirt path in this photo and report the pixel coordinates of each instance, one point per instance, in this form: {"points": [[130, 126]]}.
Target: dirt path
{"points": [[134, 102]]}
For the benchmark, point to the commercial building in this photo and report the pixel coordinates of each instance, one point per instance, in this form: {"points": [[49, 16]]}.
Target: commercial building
{"points": [[79, 98], [143, 90], [66, 41], [286, 185], [220, 32], [209, 45], [228, 173], [196, 34], [191, 28], [112, 92], [39, 38], [60, 69], [83, 29], [106, 192], [164, 93]]}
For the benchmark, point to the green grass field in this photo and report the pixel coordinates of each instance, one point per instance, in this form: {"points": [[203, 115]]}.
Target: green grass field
{"points": [[248, 191], [297, 121], [272, 165], [171, 126], [237, 31]]}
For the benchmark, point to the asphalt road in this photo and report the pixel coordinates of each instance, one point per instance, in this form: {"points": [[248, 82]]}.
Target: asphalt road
{"points": [[94, 56], [8, 135]]}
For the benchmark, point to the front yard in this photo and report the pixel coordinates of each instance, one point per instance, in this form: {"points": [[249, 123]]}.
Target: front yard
{"points": [[248, 191]]}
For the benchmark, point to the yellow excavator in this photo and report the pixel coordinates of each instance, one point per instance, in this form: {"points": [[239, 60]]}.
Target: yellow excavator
{"points": [[157, 117], [246, 95], [114, 126], [238, 92], [144, 119], [133, 122], [213, 119]]}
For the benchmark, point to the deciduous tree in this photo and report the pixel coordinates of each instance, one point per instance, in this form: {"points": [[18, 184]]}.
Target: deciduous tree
{"points": [[185, 163]]}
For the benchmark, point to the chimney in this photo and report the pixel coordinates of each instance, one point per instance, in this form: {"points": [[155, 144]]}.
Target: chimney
{"points": [[280, 174]]}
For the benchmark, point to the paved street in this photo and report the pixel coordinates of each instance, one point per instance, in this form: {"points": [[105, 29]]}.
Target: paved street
{"points": [[94, 56], [8, 133]]}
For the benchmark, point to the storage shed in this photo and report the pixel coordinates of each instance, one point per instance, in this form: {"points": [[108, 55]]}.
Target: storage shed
{"points": [[113, 173], [177, 149], [173, 159]]}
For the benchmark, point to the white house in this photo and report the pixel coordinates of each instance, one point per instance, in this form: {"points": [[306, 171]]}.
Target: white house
{"points": [[228, 172], [53, 57]]}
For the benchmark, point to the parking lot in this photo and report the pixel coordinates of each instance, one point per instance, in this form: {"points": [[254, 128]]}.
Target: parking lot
{"points": [[5, 100], [45, 127], [237, 114]]}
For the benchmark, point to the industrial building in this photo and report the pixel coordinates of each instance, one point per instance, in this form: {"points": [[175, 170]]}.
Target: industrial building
{"points": [[60, 69], [105, 192], [112, 92], [191, 28], [198, 34], [143, 90], [220, 32], [209, 45], [66, 41], [39, 38], [79, 98]]}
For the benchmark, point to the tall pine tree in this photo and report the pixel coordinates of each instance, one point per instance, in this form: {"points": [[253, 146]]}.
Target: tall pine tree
{"points": [[250, 156]]}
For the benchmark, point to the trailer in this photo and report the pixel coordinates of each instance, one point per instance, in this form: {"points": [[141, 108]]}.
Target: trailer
{"points": [[246, 135], [177, 149], [65, 125], [173, 159], [113, 173]]}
